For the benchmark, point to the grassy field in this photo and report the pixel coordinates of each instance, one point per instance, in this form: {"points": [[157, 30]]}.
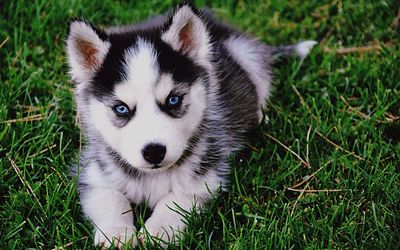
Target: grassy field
{"points": [[324, 171]]}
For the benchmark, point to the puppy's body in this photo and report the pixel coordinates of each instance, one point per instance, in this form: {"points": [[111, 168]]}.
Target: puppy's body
{"points": [[163, 105]]}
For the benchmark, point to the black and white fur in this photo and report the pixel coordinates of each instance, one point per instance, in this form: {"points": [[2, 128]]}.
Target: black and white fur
{"points": [[222, 79]]}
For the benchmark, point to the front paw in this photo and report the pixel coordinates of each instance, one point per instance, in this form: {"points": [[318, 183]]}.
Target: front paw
{"points": [[157, 231], [118, 237]]}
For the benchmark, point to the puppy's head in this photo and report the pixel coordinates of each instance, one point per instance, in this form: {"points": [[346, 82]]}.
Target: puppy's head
{"points": [[142, 91]]}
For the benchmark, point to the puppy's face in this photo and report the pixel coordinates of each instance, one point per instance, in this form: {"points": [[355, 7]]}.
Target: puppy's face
{"points": [[143, 93], [150, 114]]}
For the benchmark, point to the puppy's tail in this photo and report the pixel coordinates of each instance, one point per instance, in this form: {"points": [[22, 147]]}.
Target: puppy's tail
{"points": [[301, 50]]}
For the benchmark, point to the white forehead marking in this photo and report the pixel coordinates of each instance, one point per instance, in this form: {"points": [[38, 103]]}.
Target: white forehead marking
{"points": [[164, 86], [126, 93], [141, 64], [141, 73]]}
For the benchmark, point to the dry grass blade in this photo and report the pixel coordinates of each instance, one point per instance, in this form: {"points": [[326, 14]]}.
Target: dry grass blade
{"points": [[31, 109], [23, 181], [315, 190], [31, 118], [306, 179], [19, 52], [252, 147], [307, 147], [388, 116], [391, 118], [288, 149], [310, 177], [349, 50], [4, 42], [129, 211], [302, 102], [298, 199], [339, 147], [43, 151], [68, 244], [351, 109], [396, 20]]}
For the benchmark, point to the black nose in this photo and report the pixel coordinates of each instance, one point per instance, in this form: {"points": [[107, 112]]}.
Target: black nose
{"points": [[154, 153]]}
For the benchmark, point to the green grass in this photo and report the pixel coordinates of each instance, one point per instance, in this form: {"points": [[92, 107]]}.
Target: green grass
{"points": [[339, 113]]}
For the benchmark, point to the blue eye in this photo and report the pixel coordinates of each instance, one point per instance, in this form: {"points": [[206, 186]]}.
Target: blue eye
{"points": [[174, 101], [121, 110]]}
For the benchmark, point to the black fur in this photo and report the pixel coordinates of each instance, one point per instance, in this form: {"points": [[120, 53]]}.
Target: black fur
{"points": [[123, 164], [174, 112], [234, 95], [110, 73]]}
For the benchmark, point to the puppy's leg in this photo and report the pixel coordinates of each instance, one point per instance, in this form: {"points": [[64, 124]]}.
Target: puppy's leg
{"points": [[110, 213], [167, 219]]}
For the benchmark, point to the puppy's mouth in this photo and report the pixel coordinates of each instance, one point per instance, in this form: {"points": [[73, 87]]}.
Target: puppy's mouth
{"points": [[161, 167], [158, 167]]}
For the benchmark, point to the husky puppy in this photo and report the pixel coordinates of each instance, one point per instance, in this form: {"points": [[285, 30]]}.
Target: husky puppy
{"points": [[163, 105]]}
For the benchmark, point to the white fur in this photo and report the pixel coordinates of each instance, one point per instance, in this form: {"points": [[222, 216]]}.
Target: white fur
{"points": [[162, 190], [167, 193], [141, 65], [304, 48], [201, 47], [109, 190], [164, 86], [150, 125], [79, 30]]}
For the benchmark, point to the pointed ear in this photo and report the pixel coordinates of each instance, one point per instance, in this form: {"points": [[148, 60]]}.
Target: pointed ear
{"points": [[87, 47], [187, 33]]}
